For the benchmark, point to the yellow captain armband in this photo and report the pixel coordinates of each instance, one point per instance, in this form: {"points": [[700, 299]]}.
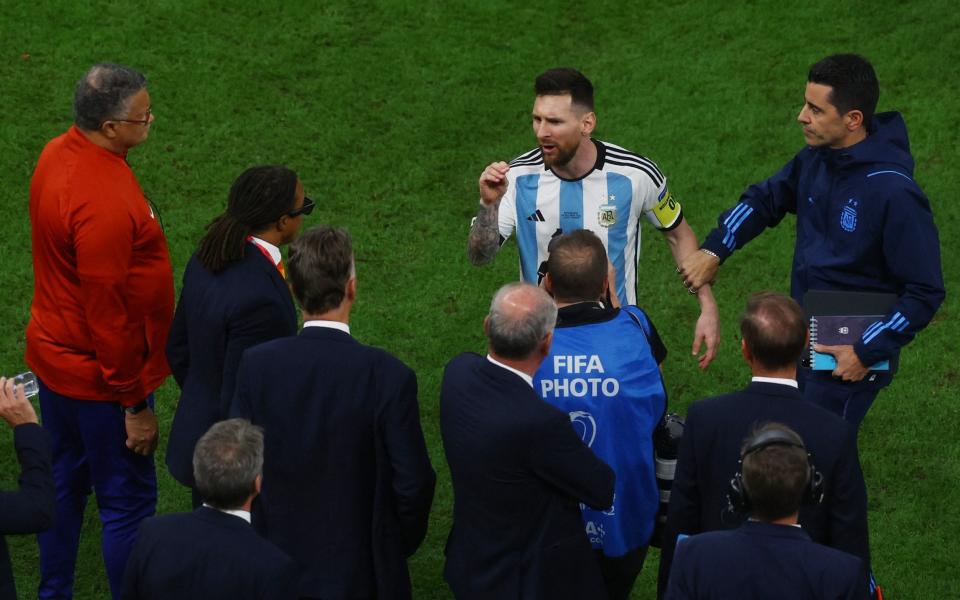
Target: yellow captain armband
{"points": [[667, 211]]}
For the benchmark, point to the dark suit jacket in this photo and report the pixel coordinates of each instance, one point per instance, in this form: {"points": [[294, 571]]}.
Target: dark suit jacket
{"points": [[206, 554], [218, 317], [30, 509], [519, 470], [347, 482], [710, 450], [762, 560]]}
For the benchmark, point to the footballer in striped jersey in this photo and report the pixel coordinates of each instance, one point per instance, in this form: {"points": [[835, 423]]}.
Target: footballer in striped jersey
{"points": [[572, 181]]}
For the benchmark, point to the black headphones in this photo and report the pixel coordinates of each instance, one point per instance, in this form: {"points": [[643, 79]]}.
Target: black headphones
{"points": [[737, 500]]}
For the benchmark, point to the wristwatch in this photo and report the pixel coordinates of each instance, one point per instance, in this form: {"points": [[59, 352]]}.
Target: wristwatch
{"points": [[136, 408]]}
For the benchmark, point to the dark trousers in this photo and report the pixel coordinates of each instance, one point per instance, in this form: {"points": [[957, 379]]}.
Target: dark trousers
{"points": [[89, 451], [851, 401], [619, 573]]}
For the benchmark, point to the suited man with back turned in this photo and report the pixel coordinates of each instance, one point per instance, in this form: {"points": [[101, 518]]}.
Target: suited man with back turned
{"points": [[774, 334], [213, 552], [519, 468], [770, 555], [234, 296], [347, 480]]}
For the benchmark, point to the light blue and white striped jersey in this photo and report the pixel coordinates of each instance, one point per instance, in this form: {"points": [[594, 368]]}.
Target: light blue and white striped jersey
{"points": [[608, 201]]}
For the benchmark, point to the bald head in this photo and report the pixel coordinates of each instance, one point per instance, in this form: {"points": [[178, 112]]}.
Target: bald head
{"points": [[521, 316], [104, 93], [774, 330], [577, 266]]}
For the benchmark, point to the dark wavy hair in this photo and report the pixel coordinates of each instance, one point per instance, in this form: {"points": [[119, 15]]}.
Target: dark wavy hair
{"points": [[258, 198]]}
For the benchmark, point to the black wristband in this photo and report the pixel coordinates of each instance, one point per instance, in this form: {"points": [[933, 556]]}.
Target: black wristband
{"points": [[136, 408]]}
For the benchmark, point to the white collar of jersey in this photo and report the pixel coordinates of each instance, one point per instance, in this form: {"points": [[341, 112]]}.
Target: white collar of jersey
{"points": [[522, 375], [601, 157]]}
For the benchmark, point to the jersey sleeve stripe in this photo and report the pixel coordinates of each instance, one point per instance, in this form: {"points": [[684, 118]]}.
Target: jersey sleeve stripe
{"points": [[525, 163], [656, 181], [620, 153], [531, 155]]}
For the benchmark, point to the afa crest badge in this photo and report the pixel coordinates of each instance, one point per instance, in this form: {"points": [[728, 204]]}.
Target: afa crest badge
{"points": [[607, 215], [848, 217]]}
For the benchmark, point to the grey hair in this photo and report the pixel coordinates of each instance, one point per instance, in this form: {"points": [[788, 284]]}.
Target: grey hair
{"points": [[226, 462], [515, 328], [104, 93]]}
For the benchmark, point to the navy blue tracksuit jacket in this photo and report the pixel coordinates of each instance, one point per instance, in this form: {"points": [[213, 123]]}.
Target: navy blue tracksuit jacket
{"points": [[863, 224]]}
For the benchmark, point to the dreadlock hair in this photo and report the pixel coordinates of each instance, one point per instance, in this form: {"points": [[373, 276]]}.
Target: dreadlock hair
{"points": [[258, 199]]}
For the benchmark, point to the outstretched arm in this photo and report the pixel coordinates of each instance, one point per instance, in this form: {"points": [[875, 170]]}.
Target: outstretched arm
{"points": [[761, 205], [706, 333]]}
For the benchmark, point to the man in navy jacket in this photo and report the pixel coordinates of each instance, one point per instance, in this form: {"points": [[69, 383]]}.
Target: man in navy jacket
{"points": [[518, 467], [213, 552], [769, 556], [863, 224], [347, 480], [774, 334]]}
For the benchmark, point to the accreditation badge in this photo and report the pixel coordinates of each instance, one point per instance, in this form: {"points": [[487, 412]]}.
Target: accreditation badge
{"points": [[607, 215]]}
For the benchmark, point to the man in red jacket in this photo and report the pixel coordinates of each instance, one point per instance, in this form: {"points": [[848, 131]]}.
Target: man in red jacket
{"points": [[102, 308]]}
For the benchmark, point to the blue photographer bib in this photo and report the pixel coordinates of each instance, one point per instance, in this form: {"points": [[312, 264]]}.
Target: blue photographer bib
{"points": [[605, 376]]}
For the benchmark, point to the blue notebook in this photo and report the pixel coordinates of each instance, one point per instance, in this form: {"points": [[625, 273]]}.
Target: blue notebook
{"points": [[839, 330]]}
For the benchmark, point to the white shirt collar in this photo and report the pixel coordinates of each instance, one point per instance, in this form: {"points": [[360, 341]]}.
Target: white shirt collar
{"points": [[270, 248], [243, 514], [797, 525], [522, 375], [331, 324], [780, 380]]}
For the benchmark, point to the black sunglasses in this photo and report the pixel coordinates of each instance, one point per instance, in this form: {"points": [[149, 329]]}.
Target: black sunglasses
{"points": [[306, 209]]}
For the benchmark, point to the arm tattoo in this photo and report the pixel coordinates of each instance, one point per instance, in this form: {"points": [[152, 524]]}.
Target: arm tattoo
{"points": [[484, 240]]}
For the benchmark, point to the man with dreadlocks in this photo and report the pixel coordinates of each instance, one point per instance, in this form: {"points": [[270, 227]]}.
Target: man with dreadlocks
{"points": [[234, 296]]}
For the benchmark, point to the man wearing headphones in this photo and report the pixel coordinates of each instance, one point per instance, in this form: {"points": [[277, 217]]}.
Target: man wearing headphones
{"points": [[774, 334], [769, 556]]}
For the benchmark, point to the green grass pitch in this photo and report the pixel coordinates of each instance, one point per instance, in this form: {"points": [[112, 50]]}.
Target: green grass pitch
{"points": [[389, 111]]}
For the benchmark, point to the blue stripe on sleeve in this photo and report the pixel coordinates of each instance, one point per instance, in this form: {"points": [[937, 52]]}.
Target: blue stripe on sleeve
{"points": [[871, 329], [736, 225], [895, 321], [734, 213], [730, 218]]}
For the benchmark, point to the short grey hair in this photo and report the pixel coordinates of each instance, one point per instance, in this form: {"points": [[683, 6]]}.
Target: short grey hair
{"points": [[521, 315], [104, 93], [226, 462]]}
